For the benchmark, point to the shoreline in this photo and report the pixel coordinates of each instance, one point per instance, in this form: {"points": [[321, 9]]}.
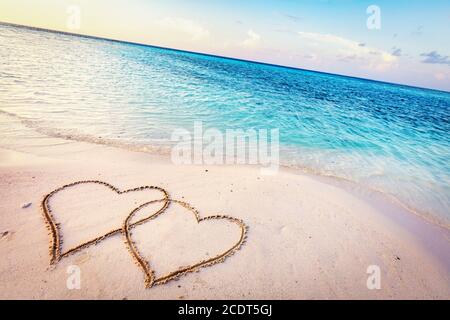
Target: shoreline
{"points": [[163, 151], [313, 238]]}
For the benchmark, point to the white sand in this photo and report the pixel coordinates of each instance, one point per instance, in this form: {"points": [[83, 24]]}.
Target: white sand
{"points": [[307, 238]]}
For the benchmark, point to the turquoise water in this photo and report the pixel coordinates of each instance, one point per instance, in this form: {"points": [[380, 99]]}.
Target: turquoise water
{"points": [[387, 137]]}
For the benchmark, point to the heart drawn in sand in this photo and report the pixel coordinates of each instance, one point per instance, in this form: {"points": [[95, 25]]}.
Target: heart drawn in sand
{"points": [[150, 280], [55, 231]]}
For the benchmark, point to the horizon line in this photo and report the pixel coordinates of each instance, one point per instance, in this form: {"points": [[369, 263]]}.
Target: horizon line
{"points": [[213, 55]]}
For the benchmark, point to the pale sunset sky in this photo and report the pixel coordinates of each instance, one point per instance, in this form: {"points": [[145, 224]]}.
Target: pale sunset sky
{"points": [[411, 46]]}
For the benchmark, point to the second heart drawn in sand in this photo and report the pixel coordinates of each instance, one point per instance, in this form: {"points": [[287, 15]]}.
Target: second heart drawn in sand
{"points": [[150, 280]]}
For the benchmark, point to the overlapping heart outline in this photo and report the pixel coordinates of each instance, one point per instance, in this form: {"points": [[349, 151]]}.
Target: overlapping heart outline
{"points": [[55, 248]]}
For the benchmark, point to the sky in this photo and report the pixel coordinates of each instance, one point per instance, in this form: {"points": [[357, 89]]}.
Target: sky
{"points": [[401, 41]]}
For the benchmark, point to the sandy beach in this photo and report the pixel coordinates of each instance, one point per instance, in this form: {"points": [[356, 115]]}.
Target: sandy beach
{"points": [[308, 237], [173, 150]]}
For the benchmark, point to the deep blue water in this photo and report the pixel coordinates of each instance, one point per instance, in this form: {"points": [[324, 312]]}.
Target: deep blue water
{"points": [[388, 137]]}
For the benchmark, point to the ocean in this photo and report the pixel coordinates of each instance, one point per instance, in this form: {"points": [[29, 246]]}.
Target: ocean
{"points": [[385, 137]]}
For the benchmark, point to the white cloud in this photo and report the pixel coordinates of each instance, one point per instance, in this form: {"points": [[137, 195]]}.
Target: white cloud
{"points": [[253, 39], [346, 49], [183, 26], [441, 76], [310, 56]]}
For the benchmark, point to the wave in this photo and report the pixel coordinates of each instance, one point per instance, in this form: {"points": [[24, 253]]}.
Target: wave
{"points": [[42, 128]]}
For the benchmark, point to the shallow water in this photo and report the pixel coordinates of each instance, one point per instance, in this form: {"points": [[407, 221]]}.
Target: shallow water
{"points": [[387, 137]]}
